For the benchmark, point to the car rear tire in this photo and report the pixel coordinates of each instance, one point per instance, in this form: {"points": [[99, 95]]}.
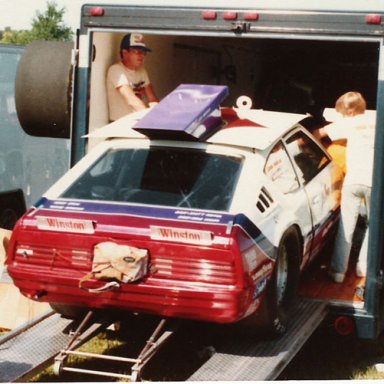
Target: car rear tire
{"points": [[282, 290]]}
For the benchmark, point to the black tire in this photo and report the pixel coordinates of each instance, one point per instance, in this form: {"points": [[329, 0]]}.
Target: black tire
{"points": [[43, 89], [282, 291]]}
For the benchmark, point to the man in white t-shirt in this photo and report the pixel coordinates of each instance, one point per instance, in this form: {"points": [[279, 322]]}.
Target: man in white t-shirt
{"points": [[128, 85], [358, 128]]}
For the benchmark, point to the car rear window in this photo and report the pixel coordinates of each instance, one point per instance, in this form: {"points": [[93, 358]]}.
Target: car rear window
{"points": [[160, 176]]}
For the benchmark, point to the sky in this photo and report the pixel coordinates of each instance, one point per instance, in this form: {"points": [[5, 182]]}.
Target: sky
{"points": [[18, 14]]}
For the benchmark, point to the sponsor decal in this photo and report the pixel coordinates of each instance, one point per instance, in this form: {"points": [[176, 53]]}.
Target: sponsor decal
{"points": [[263, 271], [61, 224], [259, 289], [111, 208], [181, 235], [205, 217]]}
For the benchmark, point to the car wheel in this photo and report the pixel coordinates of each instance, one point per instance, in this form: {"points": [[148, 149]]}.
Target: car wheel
{"points": [[281, 293]]}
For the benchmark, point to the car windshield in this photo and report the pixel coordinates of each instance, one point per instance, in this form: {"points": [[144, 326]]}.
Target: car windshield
{"points": [[161, 176]]}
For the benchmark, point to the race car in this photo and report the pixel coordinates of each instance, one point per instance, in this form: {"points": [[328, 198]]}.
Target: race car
{"points": [[185, 210]]}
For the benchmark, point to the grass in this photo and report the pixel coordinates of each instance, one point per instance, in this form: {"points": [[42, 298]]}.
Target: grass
{"points": [[103, 343], [326, 356]]}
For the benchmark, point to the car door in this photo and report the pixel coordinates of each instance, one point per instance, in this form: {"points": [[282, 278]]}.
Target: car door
{"points": [[293, 207], [319, 180]]}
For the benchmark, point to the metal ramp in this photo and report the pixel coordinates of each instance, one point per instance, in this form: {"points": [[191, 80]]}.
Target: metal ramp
{"points": [[31, 347], [264, 360]]}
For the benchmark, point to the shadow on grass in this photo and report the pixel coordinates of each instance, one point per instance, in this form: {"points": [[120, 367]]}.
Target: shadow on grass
{"points": [[328, 356]]}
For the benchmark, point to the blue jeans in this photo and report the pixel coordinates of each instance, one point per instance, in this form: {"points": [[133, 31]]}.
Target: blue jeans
{"points": [[353, 196]]}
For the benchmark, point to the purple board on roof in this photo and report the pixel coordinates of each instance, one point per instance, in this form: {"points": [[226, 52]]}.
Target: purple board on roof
{"points": [[191, 111]]}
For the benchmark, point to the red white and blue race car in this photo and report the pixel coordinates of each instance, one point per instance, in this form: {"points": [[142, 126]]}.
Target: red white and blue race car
{"points": [[187, 210]]}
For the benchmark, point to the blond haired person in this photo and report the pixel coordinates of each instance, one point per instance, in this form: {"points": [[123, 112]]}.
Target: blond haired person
{"points": [[359, 130]]}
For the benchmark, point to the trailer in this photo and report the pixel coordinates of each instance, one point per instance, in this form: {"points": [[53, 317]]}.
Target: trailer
{"points": [[294, 58]]}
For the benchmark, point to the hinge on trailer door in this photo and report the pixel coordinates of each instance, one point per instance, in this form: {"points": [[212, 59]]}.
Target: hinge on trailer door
{"points": [[74, 57], [240, 27], [360, 289], [380, 279]]}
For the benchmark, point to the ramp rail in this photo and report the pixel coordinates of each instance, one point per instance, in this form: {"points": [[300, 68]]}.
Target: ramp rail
{"points": [[264, 360]]}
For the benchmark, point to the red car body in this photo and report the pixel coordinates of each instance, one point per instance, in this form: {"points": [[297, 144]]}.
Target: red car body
{"points": [[210, 280]]}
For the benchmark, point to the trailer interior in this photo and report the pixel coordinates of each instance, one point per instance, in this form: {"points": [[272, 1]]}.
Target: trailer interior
{"points": [[301, 76]]}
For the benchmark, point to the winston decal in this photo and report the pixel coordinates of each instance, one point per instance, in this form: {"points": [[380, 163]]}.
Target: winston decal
{"points": [[180, 235], [65, 225]]}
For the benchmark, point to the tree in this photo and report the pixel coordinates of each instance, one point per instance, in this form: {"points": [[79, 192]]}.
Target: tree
{"points": [[10, 36], [45, 26], [49, 26]]}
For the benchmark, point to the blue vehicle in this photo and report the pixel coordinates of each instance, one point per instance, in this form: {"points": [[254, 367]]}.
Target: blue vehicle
{"points": [[28, 165]]}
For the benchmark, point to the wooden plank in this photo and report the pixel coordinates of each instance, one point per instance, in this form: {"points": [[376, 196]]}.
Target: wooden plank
{"points": [[316, 284], [5, 235], [16, 309]]}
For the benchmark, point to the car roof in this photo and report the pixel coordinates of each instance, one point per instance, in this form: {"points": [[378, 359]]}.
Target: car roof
{"points": [[121, 128], [192, 112], [247, 128], [252, 128]]}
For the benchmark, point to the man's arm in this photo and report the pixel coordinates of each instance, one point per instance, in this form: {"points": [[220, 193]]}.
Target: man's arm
{"points": [[335, 131], [319, 133], [150, 93], [130, 98]]}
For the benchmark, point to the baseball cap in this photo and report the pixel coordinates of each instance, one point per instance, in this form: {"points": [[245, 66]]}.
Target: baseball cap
{"points": [[133, 40]]}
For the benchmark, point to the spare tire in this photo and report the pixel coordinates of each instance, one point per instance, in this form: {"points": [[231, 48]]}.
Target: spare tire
{"points": [[43, 89]]}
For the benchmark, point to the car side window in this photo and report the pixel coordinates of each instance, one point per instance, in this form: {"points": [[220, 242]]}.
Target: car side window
{"points": [[279, 169], [307, 155]]}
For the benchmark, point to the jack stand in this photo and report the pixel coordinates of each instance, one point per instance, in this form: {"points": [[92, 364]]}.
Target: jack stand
{"points": [[152, 345]]}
